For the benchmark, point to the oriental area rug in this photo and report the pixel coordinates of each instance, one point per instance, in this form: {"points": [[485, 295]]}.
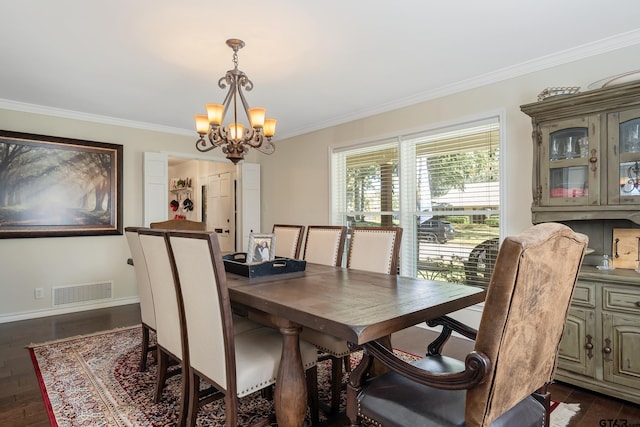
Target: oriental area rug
{"points": [[93, 380]]}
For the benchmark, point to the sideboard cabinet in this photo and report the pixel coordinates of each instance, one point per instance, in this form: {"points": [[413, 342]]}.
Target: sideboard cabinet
{"points": [[586, 162], [601, 342]]}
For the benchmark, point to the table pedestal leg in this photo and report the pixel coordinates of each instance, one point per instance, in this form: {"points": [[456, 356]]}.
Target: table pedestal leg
{"points": [[291, 390]]}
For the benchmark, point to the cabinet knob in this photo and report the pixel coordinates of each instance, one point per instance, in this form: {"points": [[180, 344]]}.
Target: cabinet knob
{"points": [[593, 160], [589, 346], [607, 350]]}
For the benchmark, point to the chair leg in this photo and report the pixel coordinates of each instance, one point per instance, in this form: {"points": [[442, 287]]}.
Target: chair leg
{"points": [[194, 404], [336, 384], [185, 381], [347, 363], [231, 410], [145, 349], [543, 396], [163, 366], [312, 395]]}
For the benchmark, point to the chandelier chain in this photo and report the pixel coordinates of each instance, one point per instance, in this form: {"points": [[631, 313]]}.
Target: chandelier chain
{"points": [[235, 58]]}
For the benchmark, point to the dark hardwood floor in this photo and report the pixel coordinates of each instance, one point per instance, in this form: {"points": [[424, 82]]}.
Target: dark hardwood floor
{"points": [[21, 403]]}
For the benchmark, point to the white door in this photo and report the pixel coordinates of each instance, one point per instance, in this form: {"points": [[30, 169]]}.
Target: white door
{"points": [[156, 187], [250, 206], [220, 209]]}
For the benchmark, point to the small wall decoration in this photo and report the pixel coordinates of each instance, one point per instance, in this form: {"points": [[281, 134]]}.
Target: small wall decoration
{"points": [[262, 247], [56, 187]]}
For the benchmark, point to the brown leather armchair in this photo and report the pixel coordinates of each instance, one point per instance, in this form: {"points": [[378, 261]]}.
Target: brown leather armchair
{"points": [[503, 380]]}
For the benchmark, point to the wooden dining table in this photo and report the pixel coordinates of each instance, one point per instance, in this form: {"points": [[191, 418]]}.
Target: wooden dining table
{"points": [[354, 305]]}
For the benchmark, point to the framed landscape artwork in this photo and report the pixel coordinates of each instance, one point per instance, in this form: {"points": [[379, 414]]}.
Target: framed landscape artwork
{"points": [[56, 187]]}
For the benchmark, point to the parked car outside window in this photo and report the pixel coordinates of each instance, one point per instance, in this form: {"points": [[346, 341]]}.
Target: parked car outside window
{"points": [[435, 230]]}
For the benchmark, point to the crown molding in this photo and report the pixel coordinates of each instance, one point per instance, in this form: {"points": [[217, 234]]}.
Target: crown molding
{"points": [[87, 117], [609, 44]]}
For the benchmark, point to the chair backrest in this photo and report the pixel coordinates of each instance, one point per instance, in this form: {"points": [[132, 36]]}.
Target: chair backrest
{"points": [[288, 240], [179, 224], [324, 244], [482, 260], [375, 249], [166, 298], [524, 316], [207, 306], [142, 277]]}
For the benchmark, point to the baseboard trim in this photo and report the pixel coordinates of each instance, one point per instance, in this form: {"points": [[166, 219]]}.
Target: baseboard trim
{"points": [[13, 317]]}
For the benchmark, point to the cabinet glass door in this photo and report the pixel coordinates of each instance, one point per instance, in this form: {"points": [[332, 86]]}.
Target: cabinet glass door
{"points": [[566, 175], [630, 151], [624, 157]]}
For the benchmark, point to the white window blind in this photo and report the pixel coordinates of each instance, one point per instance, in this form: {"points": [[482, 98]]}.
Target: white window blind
{"points": [[442, 187], [368, 185]]}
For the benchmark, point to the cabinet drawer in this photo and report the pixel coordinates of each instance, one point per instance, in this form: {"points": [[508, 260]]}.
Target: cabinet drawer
{"points": [[584, 295], [625, 300]]}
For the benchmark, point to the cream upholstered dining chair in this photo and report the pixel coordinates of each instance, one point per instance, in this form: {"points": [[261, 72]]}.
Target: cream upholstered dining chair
{"points": [[170, 322], [503, 381], [325, 245], [288, 240], [171, 343], [235, 363], [147, 313], [375, 249]]}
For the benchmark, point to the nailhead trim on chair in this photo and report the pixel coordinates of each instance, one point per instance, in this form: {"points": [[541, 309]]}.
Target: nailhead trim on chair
{"points": [[332, 353], [269, 382], [367, 419], [257, 387]]}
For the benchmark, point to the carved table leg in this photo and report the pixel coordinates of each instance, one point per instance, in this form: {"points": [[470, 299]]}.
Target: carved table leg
{"points": [[291, 391]]}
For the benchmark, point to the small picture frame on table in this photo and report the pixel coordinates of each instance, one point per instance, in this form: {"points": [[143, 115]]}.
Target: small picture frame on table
{"points": [[262, 247]]}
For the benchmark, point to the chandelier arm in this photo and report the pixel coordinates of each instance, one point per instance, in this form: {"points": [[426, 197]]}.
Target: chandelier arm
{"points": [[201, 145], [260, 143], [266, 148], [244, 82]]}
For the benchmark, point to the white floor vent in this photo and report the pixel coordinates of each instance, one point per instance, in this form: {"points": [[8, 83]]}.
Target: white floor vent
{"points": [[76, 294]]}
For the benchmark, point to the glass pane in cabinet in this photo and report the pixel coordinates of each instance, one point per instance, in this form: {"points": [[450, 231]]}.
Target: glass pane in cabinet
{"points": [[569, 182], [630, 178], [630, 136], [568, 144]]}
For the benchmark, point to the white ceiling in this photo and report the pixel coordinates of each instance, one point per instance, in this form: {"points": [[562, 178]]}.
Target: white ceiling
{"points": [[155, 63]]}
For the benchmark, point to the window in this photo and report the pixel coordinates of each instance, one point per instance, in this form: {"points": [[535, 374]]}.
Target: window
{"points": [[442, 187]]}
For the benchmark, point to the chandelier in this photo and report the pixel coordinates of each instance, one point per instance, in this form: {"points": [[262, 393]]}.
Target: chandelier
{"points": [[235, 139]]}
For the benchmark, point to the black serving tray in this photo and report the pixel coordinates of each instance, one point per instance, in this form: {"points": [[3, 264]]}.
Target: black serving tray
{"points": [[236, 263]]}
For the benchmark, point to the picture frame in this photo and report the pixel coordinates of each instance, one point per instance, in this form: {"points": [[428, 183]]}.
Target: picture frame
{"points": [[59, 187], [261, 246]]}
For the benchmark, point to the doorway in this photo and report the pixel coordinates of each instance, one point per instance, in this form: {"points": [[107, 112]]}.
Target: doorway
{"points": [[242, 182]]}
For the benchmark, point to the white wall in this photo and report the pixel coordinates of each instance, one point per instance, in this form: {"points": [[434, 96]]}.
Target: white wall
{"points": [[295, 179], [26, 264]]}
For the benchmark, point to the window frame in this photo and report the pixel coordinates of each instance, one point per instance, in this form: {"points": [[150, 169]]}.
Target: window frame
{"points": [[407, 177]]}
